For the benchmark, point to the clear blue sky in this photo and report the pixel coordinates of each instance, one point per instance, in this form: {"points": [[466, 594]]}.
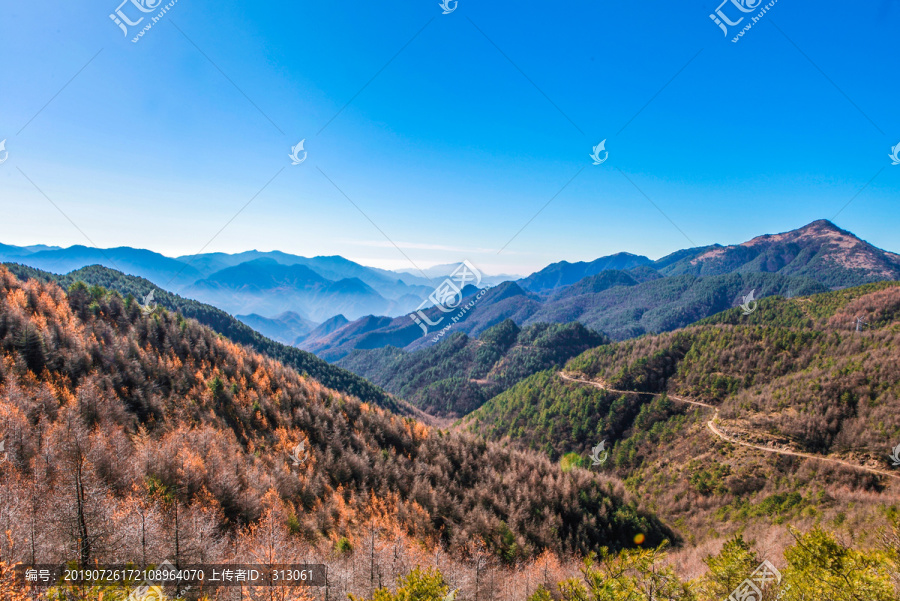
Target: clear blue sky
{"points": [[452, 147]]}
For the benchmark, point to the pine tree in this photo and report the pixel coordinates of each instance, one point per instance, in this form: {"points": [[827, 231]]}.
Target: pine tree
{"points": [[31, 347]]}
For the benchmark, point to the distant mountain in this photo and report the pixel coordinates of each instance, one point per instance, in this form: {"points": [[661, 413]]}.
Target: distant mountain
{"points": [[22, 251], [324, 329], [264, 283], [564, 273], [820, 251], [372, 332], [439, 272], [387, 283], [623, 295], [354, 332], [667, 303], [266, 287], [162, 271], [621, 311], [456, 376], [653, 296], [285, 328]]}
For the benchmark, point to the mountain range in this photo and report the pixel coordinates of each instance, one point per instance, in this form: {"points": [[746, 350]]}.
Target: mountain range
{"points": [[626, 295], [267, 283], [332, 306], [188, 430]]}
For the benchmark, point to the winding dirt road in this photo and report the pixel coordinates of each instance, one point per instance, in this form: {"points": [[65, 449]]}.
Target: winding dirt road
{"points": [[711, 424]]}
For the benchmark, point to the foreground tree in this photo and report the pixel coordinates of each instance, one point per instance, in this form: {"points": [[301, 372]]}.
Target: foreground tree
{"points": [[820, 567], [632, 574], [418, 585], [727, 570]]}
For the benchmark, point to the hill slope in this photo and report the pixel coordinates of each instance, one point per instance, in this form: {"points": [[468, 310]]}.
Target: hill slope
{"points": [[105, 403], [226, 325], [794, 376], [457, 375]]}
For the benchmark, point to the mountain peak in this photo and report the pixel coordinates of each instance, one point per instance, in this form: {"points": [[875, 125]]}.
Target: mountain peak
{"points": [[819, 250], [824, 226], [820, 223], [821, 230]]}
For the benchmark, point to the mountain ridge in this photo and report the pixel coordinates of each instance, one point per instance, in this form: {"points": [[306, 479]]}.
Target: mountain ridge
{"points": [[672, 292]]}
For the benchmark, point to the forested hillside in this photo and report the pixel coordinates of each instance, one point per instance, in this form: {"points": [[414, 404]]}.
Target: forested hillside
{"points": [[135, 435], [223, 323], [791, 379], [457, 375], [112, 415], [797, 369]]}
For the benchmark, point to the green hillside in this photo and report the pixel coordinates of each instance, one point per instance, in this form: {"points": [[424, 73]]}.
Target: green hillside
{"points": [[457, 375], [792, 378]]}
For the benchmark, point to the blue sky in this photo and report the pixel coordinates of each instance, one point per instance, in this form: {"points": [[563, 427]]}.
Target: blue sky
{"points": [[460, 128]]}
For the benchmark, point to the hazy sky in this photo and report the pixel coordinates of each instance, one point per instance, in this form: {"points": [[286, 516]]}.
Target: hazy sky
{"points": [[448, 132]]}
